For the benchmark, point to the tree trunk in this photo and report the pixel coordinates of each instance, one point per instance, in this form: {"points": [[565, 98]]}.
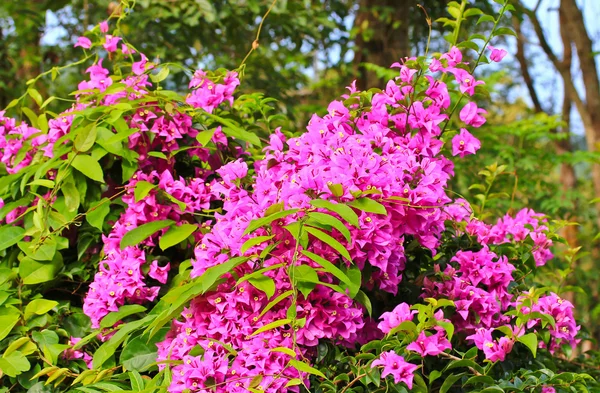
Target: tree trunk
{"points": [[572, 17], [382, 37]]}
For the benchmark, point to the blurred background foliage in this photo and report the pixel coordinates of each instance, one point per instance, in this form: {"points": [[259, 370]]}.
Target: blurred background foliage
{"points": [[544, 113]]}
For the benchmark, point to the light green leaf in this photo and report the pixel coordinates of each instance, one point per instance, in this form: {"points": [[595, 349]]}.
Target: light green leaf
{"points": [[10, 235], [531, 341], [142, 189], [14, 364], [342, 210], [263, 283], [86, 138], [335, 271], [253, 242], [255, 224], [368, 205], [272, 325], [301, 366], [175, 235], [141, 233], [161, 75], [8, 319], [37, 97], [205, 136], [112, 318], [331, 221], [286, 350], [39, 307], [89, 167], [325, 238], [34, 272], [97, 213]]}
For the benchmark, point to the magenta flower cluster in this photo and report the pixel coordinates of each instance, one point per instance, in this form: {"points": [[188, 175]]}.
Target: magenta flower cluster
{"points": [[390, 150]]}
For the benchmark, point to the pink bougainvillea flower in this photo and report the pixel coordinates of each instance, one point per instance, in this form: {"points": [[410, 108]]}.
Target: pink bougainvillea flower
{"points": [[431, 345], [548, 389], [139, 67], [111, 43], [104, 26], [395, 365], [472, 115], [464, 143], [467, 82], [160, 274], [83, 42], [497, 54], [393, 319]]}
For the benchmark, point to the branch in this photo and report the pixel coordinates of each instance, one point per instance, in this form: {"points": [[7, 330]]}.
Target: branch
{"points": [[524, 66], [565, 73]]}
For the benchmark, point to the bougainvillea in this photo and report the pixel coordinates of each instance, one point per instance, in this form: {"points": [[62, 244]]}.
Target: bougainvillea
{"points": [[325, 260]]}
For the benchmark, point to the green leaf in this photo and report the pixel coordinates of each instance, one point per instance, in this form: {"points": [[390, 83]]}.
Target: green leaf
{"points": [[335, 271], [14, 364], [39, 307], [86, 138], [449, 382], [30, 115], [98, 212], [301, 366], [253, 242], [275, 301], [45, 338], [141, 233], [175, 235], [294, 382], [235, 131], [448, 327], [10, 235], [368, 205], [486, 18], [204, 137], [112, 318], [89, 167], [255, 224], [138, 354], [286, 350], [107, 349], [8, 319], [325, 238], [37, 97], [306, 279], [137, 382], [504, 31], [472, 12], [263, 283], [34, 272], [433, 375], [336, 190], [531, 341], [71, 194], [142, 189], [272, 325], [40, 252], [363, 299], [42, 182], [161, 75], [342, 210], [239, 133], [331, 221]]}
